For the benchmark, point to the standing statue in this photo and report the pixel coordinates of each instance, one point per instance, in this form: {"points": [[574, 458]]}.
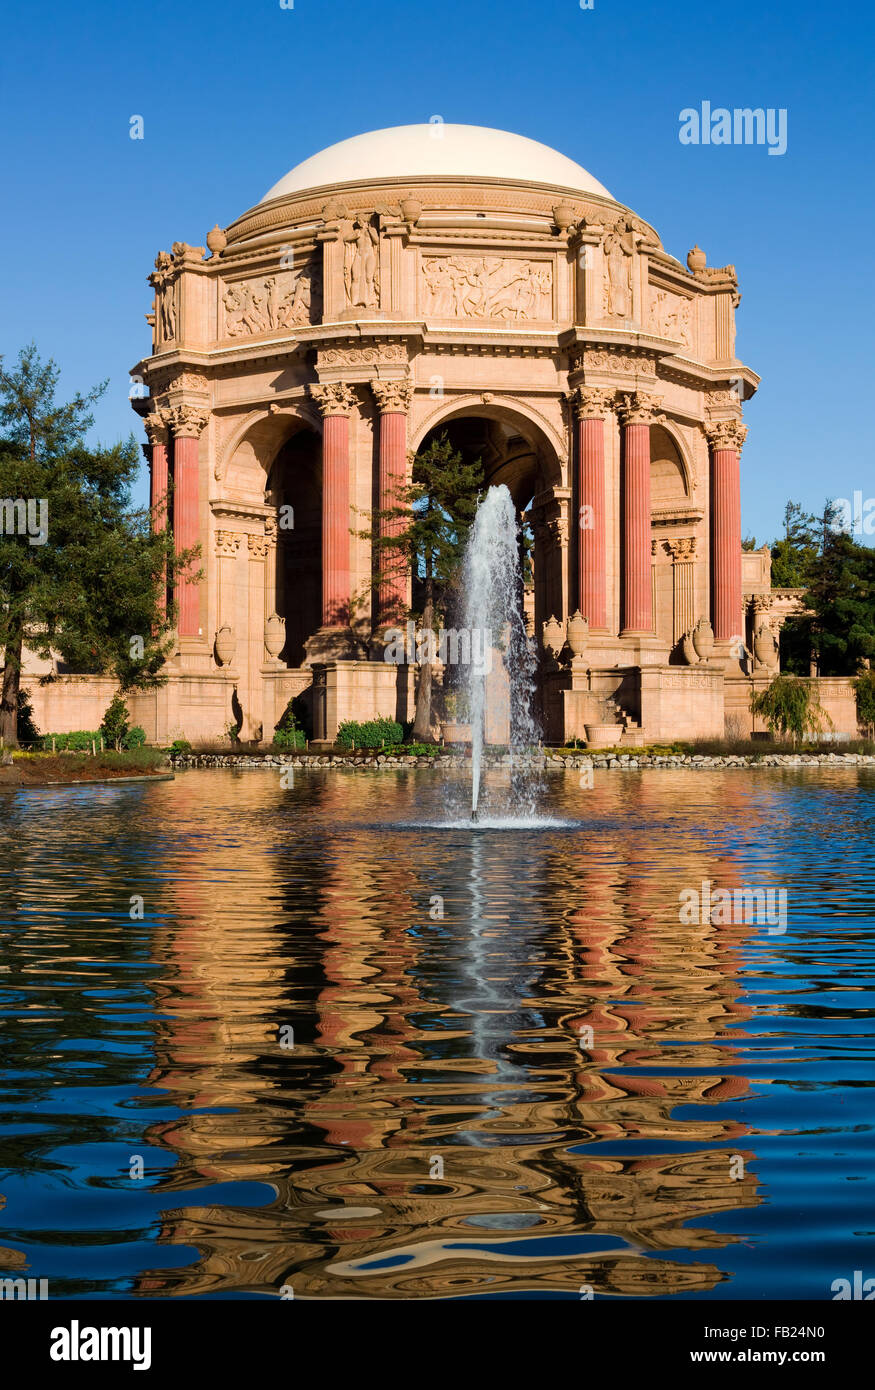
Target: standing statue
{"points": [[618, 282], [361, 264]]}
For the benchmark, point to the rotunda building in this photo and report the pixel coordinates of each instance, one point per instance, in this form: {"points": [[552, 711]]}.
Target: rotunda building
{"points": [[437, 279]]}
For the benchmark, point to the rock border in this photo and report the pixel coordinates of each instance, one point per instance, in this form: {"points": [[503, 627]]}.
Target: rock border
{"points": [[548, 761]]}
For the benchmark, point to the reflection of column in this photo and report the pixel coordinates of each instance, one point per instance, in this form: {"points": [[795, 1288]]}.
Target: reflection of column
{"points": [[592, 406], [186, 422], [637, 414], [726, 438], [393, 399], [335, 400], [682, 553]]}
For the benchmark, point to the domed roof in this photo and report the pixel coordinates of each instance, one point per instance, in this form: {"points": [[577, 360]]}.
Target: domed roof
{"points": [[437, 150]]}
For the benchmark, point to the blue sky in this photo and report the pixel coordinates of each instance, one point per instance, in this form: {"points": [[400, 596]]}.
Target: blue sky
{"points": [[233, 95]]}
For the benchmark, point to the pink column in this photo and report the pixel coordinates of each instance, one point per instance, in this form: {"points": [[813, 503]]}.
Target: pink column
{"points": [[636, 416], [335, 400], [726, 438], [157, 430], [393, 399], [186, 422], [593, 406]]}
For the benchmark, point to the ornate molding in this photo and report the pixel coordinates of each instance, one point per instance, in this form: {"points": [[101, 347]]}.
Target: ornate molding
{"points": [[227, 543], [682, 550], [187, 421], [157, 425], [592, 402], [393, 395], [487, 287], [638, 408], [382, 354], [258, 547], [264, 304], [334, 398], [610, 360], [726, 434]]}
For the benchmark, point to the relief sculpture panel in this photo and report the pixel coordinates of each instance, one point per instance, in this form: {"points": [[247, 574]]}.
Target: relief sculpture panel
{"points": [[671, 316], [283, 300], [488, 287]]}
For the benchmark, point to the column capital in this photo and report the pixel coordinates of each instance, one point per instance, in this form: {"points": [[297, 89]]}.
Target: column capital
{"points": [[157, 424], [258, 546], [333, 397], [639, 408], [592, 402], [186, 421], [682, 549], [227, 543], [726, 434], [393, 395]]}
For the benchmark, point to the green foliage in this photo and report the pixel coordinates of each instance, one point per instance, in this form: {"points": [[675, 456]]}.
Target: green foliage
{"points": [[134, 738], [79, 741], [178, 747], [116, 722], [794, 553], [289, 738], [232, 731], [790, 705], [288, 732], [27, 729], [93, 582], [841, 596], [864, 690], [372, 733]]}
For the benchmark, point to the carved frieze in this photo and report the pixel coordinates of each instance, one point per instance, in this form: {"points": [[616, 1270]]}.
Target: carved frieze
{"points": [[671, 316], [285, 299], [488, 287], [606, 360], [388, 354]]}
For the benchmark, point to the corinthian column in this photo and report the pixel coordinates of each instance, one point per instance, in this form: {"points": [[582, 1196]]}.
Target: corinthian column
{"points": [[726, 438], [393, 399], [157, 428], [637, 413], [335, 401], [186, 423], [592, 407]]}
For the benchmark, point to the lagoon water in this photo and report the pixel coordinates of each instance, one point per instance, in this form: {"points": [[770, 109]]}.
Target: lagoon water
{"points": [[359, 1049]]}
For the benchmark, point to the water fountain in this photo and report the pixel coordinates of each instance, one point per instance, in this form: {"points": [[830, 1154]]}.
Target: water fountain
{"points": [[493, 610]]}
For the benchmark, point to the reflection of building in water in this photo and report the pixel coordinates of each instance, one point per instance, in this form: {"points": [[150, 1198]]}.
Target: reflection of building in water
{"points": [[457, 1039]]}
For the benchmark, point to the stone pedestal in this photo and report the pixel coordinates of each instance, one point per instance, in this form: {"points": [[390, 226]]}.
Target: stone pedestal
{"points": [[357, 690]]}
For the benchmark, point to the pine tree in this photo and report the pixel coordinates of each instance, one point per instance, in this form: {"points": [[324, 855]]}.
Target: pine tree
{"points": [[796, 551], [841, 596], [80, 570]]}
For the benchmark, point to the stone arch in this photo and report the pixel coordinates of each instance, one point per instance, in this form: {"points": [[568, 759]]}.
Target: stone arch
{"points": [[254, 442], [551, 449], [671, 473]]}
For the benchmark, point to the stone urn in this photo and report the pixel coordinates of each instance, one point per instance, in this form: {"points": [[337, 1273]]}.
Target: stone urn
{"points": [[225, 645], [688, 651], [578, 633], [563, 216], [217, 240], [765, 648], [411, 210], [697, 260], [602, 735], [274, 635], [703, 639], [552, 635]]}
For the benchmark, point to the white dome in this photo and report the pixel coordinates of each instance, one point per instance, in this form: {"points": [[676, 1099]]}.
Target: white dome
{"points": [[436, 150]]}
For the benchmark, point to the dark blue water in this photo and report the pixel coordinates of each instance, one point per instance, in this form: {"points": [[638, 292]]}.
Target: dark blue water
{"points": [[353, 1051]]}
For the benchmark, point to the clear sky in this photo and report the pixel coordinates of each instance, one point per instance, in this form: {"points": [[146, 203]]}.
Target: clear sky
{"points": [[234, 94]]}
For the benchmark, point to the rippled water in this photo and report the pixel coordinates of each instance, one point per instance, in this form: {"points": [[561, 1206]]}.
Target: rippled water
{"points": [[439, 1122]]}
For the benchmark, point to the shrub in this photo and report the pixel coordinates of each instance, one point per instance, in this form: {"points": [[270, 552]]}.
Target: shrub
{"points": [[289, 738], [372, 733], [790, 706], [26, 729], [79, 741], [116, 722], [134, 738], [864, 690], [179, 746]]}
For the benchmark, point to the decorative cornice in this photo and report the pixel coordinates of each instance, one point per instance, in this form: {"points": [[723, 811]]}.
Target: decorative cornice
{"points": [[592, 402], [726, 434], [187, 421], [393, 395], [639, 408], [334, 398]]}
